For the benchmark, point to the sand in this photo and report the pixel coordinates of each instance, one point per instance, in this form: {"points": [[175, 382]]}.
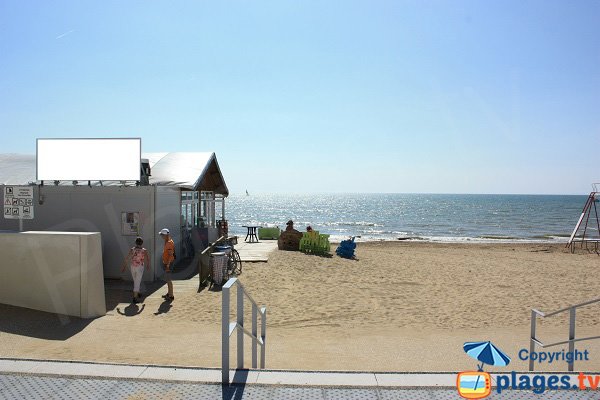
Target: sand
{"points": [[401, 306]]}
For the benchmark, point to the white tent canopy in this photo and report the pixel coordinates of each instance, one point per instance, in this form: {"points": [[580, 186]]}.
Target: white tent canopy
{"points": [[192, 171]]}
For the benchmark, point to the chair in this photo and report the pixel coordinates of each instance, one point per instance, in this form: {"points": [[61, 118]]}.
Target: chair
{"points": [[324, 244], [314, 243], [268, 233]]}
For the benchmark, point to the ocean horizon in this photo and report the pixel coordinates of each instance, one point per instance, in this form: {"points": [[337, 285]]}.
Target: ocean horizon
{"points": [[479, 218]]}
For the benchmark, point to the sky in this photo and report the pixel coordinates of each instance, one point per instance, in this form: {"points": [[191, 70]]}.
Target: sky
{"points": [[319, 96]]}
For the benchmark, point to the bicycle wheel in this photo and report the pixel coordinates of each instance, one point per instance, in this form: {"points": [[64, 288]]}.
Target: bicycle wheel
{"points": [[237, 262]]}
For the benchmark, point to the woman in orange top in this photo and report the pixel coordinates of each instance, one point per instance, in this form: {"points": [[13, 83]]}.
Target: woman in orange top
{"points": [[168, 258]]}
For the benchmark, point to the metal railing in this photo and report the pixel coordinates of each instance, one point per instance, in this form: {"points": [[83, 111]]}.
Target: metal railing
{"points": [[572, 313], [228, 327], [211, 246]]}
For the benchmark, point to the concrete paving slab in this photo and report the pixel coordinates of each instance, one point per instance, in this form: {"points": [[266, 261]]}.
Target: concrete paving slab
{"points": [[16, 366], [316, 378], [85, 369], [416, 380], [255, 252], [243, 377], [182, 374]]}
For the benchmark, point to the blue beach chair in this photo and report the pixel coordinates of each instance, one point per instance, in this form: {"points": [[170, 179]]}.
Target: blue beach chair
{"points": [[346, 248]]}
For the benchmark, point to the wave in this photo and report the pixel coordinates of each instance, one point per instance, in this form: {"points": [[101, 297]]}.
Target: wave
{"points": [[500, 237], [336, 238], [552, 236], [358, 223]]}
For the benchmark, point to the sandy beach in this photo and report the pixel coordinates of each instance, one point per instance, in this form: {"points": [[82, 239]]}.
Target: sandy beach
{"points": [[401, 306]]}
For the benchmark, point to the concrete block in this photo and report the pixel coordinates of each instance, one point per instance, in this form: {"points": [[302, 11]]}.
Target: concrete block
{"points": [[57, 272]]}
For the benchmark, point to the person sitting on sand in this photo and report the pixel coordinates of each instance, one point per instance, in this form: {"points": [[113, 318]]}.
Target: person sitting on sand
{"points": [[137, 258], [290, 238], [289, 226]]}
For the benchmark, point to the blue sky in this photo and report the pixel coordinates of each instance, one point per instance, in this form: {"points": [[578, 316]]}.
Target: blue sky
{"points": [[319, 96]]}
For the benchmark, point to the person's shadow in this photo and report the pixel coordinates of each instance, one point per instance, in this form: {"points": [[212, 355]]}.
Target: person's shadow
{"points": [[164, 308], [131, 310]]}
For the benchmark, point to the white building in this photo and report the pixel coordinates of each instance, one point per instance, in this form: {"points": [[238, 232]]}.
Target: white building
{"points": [[177, 191]]}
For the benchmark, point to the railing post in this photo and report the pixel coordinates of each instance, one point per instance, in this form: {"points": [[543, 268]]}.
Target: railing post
{"points": [[254, 334], [263, 336], [572, 337], [531, 340], [240, 324], [225, 336]]}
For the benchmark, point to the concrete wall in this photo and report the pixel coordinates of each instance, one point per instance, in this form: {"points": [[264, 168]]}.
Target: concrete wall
{"points": [[94, 209], [167, 214], [58, 272]]}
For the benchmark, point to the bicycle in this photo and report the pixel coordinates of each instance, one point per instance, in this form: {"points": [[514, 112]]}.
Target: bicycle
{"points": [[234, 263]]}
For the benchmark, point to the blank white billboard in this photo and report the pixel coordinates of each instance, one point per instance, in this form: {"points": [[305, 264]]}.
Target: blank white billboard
{"points": [[89, 159]]}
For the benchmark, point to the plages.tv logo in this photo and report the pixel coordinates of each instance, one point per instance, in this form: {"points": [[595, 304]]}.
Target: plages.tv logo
{"points": [[474, 385], [478, 384]]}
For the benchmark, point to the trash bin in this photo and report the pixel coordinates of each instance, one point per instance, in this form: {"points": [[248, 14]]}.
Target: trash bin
{"points": [[223, 249], [218, 267]]}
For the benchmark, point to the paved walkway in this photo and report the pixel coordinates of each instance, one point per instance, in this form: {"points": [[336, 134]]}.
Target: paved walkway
{"points": [[257, 251], [22, 379]]}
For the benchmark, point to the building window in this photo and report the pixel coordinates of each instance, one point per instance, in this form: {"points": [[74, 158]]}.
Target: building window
{"points": [[207, 209], [189, 208]]}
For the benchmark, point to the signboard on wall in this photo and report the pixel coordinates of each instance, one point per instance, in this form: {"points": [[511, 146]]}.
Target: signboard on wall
{"points": [[18, 202], [88, 159], [130, 223]]}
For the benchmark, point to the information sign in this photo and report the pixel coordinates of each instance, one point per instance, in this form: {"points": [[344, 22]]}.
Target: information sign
{"points": [[18, 202]]}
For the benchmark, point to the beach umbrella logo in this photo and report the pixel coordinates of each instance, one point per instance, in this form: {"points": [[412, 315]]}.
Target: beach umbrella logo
{"points": [[477, 384], [487, 353]]}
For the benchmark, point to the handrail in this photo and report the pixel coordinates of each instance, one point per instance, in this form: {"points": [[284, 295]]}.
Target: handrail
{"points": [[211, 245], [228, 327], [585, 303], [571, 341]]}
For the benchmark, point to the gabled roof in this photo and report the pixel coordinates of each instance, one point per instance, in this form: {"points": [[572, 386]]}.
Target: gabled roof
{"points": [[192, 171]]}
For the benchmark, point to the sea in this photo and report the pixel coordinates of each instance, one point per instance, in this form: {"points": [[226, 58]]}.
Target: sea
{"points": [[414, 217]]}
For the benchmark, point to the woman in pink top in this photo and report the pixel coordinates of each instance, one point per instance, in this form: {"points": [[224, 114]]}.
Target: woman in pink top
{"points": [[137, 258]]}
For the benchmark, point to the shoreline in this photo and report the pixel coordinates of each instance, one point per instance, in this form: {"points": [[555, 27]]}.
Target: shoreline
{"points": [[490, 239], [464, 240], [336, 239]]}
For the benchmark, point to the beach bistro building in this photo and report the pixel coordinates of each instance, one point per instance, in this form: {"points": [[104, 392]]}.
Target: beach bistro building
{"points": [[183, 192]]}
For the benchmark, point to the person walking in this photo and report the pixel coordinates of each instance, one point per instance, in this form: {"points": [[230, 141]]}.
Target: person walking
{"points": [[137, 258], [168, 258]]}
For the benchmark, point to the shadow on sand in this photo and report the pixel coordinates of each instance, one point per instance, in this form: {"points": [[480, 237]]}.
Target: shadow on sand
{"points": [[131, 310], [120, 291], [44, 325], [164, 307], [40, 324]]}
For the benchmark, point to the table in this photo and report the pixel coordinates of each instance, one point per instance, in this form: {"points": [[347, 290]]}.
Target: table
{"points": [[251, 234]]}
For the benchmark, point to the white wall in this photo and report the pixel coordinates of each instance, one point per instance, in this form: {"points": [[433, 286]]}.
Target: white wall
{"points": [[58, 272], [94, 209]]}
